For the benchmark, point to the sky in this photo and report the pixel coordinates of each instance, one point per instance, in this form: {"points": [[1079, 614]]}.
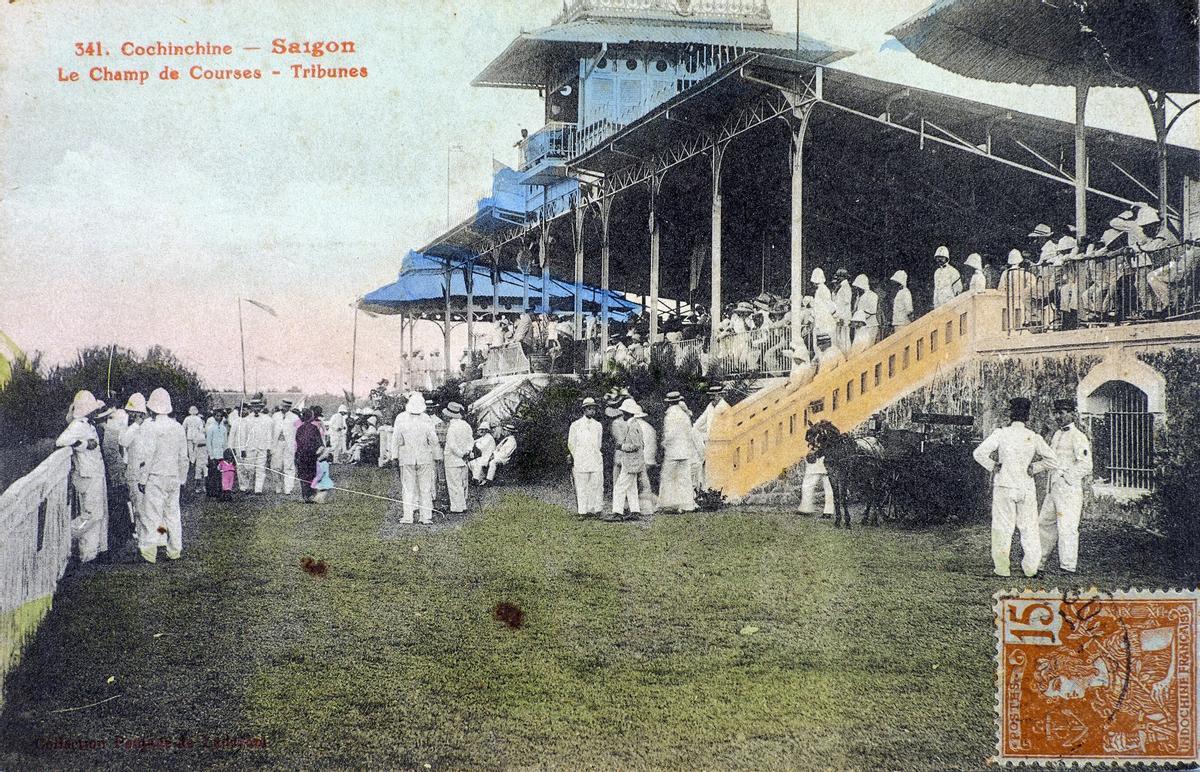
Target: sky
{"points": [[139, 214]]}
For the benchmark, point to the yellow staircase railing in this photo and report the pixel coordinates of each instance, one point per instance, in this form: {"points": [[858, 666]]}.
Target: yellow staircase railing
{"points": [[754, 441]]}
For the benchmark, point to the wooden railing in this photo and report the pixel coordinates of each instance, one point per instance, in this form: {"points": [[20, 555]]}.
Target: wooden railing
{"points": [[35, 545], [757, 439]]}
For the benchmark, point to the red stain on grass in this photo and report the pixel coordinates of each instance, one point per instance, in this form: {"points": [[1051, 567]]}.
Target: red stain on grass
{"points": [[509, 614], [314, 567]]}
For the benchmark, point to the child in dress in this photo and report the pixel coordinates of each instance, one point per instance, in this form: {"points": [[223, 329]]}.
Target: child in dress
{"points": [[227, 467], [322, 484]]}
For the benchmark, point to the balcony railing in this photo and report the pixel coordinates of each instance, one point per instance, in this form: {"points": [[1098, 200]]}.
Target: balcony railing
{"points": [[1123, 287], [554, 141]]}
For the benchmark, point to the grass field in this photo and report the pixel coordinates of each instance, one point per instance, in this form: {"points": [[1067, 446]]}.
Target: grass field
{"points": [[873, 648]]}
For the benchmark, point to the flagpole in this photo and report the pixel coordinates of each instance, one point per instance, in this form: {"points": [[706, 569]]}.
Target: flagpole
{"points": [[242, 338], [353, 353]]}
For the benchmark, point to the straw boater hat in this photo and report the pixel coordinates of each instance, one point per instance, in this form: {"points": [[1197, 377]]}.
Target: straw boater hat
{"points": [[453, 410], [159, 402], [84, 404], [716, 388], [673, 397], [1042, 231], [136, 403], [1014, 257], [743, 308]]}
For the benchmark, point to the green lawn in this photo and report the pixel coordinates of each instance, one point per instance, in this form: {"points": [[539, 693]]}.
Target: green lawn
{"points": [[874, 648]]}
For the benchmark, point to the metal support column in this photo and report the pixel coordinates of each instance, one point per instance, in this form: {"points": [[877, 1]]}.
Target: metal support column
{"points": [[470, 281], [606, 202], [655, 236], [577, 326], [798, 121], [1081, 161], [446, 324], [718, 155]]}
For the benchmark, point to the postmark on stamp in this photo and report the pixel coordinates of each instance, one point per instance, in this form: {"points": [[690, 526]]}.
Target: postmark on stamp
{"points": [[1096, 677]]}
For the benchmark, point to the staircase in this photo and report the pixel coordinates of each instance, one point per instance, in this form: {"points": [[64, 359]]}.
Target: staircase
{"points": [[756, 440]]}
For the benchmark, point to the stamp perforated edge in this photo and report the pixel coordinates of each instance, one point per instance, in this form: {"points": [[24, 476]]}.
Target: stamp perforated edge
{"points": [[1002, 760]]}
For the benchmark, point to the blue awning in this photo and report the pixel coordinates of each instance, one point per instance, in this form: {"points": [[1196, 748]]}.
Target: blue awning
{"points": [[421, 288]]}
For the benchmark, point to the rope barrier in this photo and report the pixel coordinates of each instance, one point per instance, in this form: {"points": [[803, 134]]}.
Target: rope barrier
{"points": [[401, 502]]}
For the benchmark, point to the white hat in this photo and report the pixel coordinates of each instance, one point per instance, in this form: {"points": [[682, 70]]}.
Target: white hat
{"points": [[975, 261], [942, 251], [193, 410], [484, 427], [631, 407], [862, 282], [1146, 215], [343, 409], [1014, 257], [159, 402], [901, 278], [1042, 231], [84, 404], [818, 276], [416, 403], [859, 316], [136, 403]]}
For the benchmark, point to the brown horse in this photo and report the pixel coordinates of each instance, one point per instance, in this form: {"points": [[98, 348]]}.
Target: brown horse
{"points": [[853, 466]]}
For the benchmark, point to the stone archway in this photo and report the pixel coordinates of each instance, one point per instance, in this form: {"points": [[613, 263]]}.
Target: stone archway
{"points": [[1122, 366]]}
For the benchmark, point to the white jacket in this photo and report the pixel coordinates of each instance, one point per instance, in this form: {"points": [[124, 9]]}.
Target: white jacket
{"points": [[677, 435], [1015, 447], [583, 442], [459, 441], [165, 450]]}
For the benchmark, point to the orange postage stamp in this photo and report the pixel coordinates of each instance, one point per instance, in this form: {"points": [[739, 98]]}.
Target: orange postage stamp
{"points": [[1096, 677]]}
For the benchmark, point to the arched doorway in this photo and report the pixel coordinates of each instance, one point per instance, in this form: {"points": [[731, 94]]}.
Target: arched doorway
{"points": [[1123, 434]]}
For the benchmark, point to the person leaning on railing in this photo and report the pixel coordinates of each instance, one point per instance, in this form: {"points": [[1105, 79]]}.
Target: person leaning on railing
{"points": [[87, 475]]}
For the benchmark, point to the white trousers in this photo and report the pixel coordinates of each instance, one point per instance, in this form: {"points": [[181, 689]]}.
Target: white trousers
{"points": [[1015, 508], [92, 539], [161, 510], [589, 492], [456, 486], [646, 498], [245, 475], [276, 467], [808, 491], [493, 465], [339, 446], [289, 472], [198, 455], [675, 491], [416, 489], [478, 467], [625, 493], [1058, 523], [257, 461]]}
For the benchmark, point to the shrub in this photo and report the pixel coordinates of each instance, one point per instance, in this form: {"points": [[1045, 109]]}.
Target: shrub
{"points": [[34, 405]]}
